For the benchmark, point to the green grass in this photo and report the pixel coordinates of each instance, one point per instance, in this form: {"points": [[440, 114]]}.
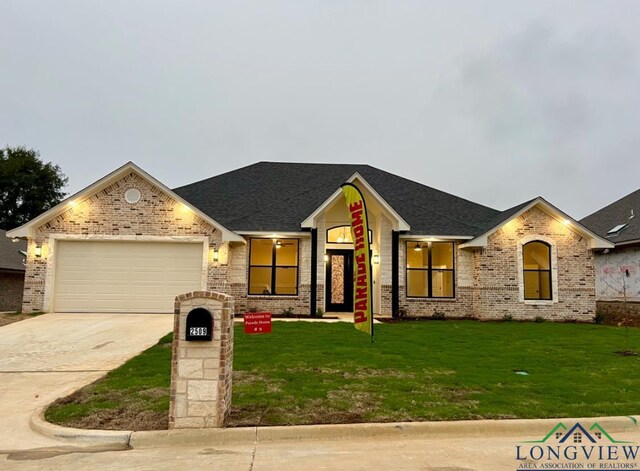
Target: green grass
{"points": [[307, 373], [317, 373]]}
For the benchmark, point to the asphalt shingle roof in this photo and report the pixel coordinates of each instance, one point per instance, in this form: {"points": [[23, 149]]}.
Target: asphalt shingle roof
{"points": [[618, 212], [10, 256], [278, 196]]}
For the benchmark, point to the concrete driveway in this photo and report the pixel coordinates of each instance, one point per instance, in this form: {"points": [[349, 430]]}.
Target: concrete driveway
{"points": [[51, 356]]}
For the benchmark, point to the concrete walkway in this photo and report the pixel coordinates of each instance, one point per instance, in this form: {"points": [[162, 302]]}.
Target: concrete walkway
{"points": [[50, 356]]}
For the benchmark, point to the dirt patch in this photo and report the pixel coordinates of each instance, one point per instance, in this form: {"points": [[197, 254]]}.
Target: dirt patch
{"points": [[122, 419], [7, 318], [129, 415]]}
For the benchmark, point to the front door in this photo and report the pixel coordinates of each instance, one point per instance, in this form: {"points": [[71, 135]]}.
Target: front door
{"points": [[339, 281]]}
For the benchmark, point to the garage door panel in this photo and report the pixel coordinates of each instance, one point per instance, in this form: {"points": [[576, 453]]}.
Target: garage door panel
{"points": [[101, 276]]}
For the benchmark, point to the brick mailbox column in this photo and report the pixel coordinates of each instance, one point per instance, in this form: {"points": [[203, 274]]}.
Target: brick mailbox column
{"points": [[201, 368]]}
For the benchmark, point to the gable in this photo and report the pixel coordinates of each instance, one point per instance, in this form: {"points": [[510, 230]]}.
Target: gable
{"points": [[108, 212], [563, 223], [103, 208], [375, 204]]}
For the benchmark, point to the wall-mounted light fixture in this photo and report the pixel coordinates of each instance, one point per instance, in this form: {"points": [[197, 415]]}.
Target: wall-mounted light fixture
{"points": [[326, 258], [376, 259], [38, 250], [216, 255]]}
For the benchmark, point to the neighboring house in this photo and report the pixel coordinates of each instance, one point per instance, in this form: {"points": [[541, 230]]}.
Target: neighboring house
{"points": [[618, 269], [12, 266], [276, 236]]}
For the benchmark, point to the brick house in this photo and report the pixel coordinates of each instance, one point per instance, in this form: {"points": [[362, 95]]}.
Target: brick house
{"points": [[276, 236], [618, 268], [12, 267]]}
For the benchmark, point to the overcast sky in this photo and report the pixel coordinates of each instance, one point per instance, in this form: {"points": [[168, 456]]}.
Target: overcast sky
{"points": [[495, 101]]}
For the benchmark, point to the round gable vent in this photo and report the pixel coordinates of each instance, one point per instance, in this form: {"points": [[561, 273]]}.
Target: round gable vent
{"points": [[132, 195]]}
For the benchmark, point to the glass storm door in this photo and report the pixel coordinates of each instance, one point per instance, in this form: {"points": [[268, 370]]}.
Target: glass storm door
{"points": [[339, 281]]}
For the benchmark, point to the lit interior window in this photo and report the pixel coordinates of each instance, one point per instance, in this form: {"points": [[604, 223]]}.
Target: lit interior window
{"points": [[273, 267], [430, 269], [537, 270]]}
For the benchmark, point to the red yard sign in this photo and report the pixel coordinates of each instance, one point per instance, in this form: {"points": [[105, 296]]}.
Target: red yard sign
{"points": [[257, 322]]}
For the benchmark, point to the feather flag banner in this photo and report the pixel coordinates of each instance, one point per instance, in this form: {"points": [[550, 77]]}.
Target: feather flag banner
{"points": [[362, 288]]}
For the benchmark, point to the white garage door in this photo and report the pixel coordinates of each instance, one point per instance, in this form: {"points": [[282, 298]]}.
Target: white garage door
{"points": [[99, 276]]}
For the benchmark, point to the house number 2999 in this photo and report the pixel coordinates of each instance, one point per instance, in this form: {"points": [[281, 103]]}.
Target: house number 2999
{"points": [[197, 331]]}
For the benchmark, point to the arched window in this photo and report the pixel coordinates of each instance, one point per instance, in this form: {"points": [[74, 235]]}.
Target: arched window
{"points": [[536, 257], [342, 235]]}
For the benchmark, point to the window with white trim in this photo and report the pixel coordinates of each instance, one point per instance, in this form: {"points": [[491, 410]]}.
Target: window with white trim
{"points": [[536, 267]]}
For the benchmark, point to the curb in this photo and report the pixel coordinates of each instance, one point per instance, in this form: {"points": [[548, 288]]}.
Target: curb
{"points": [[102, 439], [117, 440], [408, 430]]}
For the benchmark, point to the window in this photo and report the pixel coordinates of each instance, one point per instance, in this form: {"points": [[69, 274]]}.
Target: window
{"points": [[273, 267], [536, 258], [342, 235], [430, 270]]}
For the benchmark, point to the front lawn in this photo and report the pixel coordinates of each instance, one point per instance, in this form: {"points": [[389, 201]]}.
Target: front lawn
{"points": [[306, 373]]}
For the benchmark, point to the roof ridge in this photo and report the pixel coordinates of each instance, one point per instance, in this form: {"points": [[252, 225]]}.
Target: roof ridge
{"points": [[216, 176]]}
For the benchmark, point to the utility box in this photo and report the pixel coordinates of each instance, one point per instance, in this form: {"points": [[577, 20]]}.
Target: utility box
{"points": [[202, 362]]}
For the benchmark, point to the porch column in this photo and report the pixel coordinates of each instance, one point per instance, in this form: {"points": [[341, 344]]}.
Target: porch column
{"points": [[395, 268], [313, 296]]}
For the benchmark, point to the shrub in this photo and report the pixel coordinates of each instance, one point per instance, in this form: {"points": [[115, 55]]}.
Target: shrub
{"points": [[319, 312], [437, 315], [539, 319], [401, 313], [600, 317], [288, 312], [507, 318]]}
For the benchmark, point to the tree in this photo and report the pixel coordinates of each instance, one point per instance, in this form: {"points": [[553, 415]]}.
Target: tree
{"points": [[28, 186]]}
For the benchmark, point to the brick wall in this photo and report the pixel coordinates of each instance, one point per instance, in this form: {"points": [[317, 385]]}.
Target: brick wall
{"points": [[489, 282], [498, 283], [239, 279], [107, 215], [11, 287], [459, 306]]}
